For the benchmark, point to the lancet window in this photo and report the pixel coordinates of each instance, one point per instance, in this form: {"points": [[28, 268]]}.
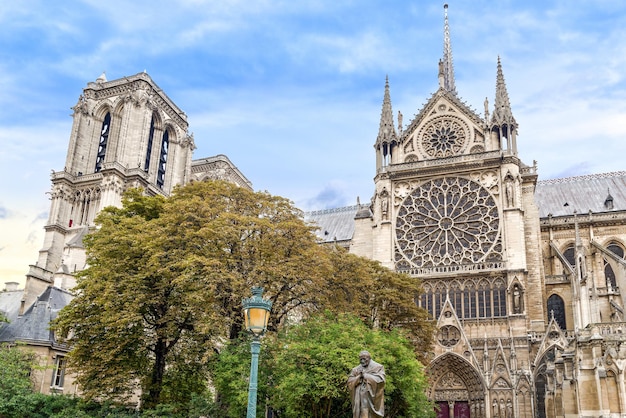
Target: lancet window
{"points": [[85, 204], [163, 159], [570, 256], [556, 308], [149, 147], [104, 138], [609, 274], [471, 299]]}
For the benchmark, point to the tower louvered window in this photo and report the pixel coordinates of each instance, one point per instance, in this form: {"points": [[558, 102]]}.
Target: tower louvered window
{"points": [[104, 138], [149, 148], [163, 159]]}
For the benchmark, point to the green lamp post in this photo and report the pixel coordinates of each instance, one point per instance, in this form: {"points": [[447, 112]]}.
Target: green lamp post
{"points": [[256, 313]]}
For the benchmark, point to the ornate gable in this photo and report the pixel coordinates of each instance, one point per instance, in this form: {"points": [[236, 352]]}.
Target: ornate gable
{"points": [[451, 335], [443, 128]]}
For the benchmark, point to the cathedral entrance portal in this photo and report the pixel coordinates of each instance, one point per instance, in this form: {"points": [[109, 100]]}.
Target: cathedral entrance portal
{"points": [[456, 388], [453, 410]]}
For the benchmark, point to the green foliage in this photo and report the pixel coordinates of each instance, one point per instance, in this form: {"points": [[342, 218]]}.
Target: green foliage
{"points": [[15, 367], [303, 370], [230, 373], [166, 278]]}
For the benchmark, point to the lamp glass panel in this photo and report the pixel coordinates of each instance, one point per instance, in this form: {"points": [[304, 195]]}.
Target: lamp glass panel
{"points": [[256, 320]]}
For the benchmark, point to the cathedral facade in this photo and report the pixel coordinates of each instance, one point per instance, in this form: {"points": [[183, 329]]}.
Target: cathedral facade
{"points": [[522, 277]]}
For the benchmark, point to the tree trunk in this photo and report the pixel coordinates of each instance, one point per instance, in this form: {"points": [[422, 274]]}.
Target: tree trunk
{"points": [[153, 396]]}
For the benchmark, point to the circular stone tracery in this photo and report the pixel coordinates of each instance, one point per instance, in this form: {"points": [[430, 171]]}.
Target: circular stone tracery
{"points": [[443, 138], [447, 221]]}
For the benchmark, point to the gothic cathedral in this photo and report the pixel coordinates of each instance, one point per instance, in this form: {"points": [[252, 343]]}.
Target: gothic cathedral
{"points": [[522, 277], [524, 291]]}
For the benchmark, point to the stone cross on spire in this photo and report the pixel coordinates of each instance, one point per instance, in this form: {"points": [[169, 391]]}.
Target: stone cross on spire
{"points": [[446, 63]]}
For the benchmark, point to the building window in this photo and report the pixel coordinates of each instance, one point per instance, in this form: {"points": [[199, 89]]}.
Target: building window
{"points": [[556, 308], [570, 256], [609, 274], [104, 138], [163, 159], [456, 221], [146, 166], [485, 300], [58, 373]]}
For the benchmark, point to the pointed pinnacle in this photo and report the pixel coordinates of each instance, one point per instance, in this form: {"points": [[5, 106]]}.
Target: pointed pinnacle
{"points": [[387, 131], [448, 68], [502, 113]]}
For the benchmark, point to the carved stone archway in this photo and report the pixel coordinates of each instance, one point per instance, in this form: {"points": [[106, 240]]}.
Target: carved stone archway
{"points": [[456, 382]]}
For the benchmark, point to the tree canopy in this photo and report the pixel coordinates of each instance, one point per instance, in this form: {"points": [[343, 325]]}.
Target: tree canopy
{"points": [[166, 278], [305, 368]]}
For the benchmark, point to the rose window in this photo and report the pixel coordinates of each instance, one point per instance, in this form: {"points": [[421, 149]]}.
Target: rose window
{"points": [[447, 221], [443, 138], [448, 335]]}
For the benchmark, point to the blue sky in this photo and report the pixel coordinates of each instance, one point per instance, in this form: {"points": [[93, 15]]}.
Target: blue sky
{"points": [[291, 91]]}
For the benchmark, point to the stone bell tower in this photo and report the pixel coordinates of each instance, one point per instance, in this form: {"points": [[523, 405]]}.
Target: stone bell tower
{"points": [[126, 133]]}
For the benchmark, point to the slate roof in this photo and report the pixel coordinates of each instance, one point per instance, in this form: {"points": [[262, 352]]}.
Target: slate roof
{"points": [[335, 224], [33, 326], [581, 193], [10, 304], [77, 240]]}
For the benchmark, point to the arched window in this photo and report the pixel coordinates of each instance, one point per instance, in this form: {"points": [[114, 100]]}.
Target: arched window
{"points": [[469, 301], [609, 274], [104, 138], [456, 298], [556, 307], [149, 148], [570, 256], [440, 299], [163, 159], [499, 298], [484, 299], [540, 388]]}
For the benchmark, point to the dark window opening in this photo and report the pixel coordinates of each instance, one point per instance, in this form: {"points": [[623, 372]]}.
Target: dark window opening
{"points": [[570, 256], [58, 373], [163, 159], [556, 308], [104, 138], [609, 274], [149, 149]]}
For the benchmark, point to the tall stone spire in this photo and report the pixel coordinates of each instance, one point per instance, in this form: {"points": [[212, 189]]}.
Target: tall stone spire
{"points": [[387, 138], [503, 125], [386, 131], [502, 113], [448, 68]]}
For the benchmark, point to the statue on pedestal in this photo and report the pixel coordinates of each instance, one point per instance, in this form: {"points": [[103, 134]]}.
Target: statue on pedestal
{"points": [[366, 384]]}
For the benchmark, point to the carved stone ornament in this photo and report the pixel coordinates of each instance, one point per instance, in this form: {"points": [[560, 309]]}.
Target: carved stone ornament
{"points": [[448, 336]]}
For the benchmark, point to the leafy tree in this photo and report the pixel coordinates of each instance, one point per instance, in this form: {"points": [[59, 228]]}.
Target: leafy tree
{"points": [[166, 277], [304, 370], [379, 296], [15, 368]]}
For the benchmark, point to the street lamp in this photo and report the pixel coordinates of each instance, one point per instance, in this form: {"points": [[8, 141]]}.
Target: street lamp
{"points": [[256, 313]]}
